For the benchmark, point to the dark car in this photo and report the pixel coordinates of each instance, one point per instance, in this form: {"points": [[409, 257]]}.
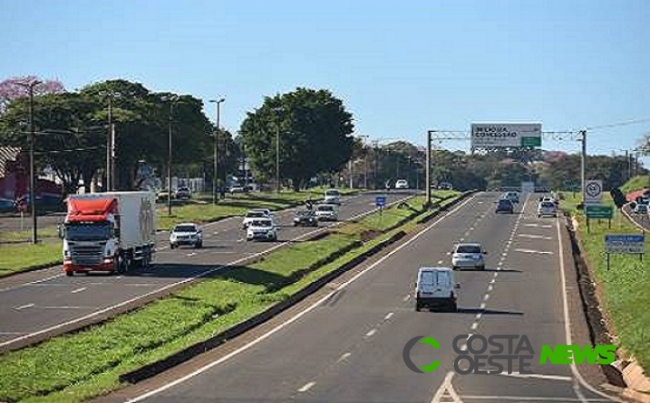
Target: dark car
{"points": [[305, 218], [505, 206]]}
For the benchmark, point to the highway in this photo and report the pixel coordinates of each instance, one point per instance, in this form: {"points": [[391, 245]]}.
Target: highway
{"points": [[347, 344], [47, 302]]}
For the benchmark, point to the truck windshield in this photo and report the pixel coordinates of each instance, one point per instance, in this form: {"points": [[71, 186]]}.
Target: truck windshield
{"points": [[88, 232]]}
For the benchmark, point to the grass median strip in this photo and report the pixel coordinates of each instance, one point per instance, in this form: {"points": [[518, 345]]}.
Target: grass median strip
{"points": [[625, 286], [78, 366]]}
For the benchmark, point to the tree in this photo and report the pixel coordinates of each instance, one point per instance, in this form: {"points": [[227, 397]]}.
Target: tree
{"points": [[313, 128], [11, 89]]}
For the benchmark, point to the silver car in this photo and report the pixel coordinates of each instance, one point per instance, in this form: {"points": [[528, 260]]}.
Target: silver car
{"points": [[468, 255]]}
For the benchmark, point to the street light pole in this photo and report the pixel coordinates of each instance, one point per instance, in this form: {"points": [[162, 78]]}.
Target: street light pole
{"points": [[216, 150], [109, 145], [172, 100], [32, 139], [583, 162]]}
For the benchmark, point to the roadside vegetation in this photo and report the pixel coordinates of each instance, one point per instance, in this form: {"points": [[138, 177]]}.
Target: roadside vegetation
{"points": [[636, 183], [78, 366], [625, 286]]}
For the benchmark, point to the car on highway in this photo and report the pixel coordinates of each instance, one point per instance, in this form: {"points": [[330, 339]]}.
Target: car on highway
{"points": [[640, 208], [401, 184], [445, 186], [546, 208], [332, 196], [327, 212], [186, 234], [512, 196], [183, 193], [504, 206], [435, 288], [305, 218], [468, 254], [262, 229], [163, 195], [254, 214]]}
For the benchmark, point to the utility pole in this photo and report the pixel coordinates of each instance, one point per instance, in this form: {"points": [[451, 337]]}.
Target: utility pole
{"points": [[32, 174], [215, 150], [351, 180], [109, 144], [172, 100], [376, 164], [427, 185], [583, 162]]}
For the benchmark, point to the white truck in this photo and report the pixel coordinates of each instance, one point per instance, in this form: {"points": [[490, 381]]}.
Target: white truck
{"points": [[109, 232]]}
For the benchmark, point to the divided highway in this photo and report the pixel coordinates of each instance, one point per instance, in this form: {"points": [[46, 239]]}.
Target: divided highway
{"points": [[35, 303], [349, 345]]}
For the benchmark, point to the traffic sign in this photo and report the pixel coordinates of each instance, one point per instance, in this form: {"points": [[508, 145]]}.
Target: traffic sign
{"points": [[624, 243], [593, 192], [380, 201], [599, 211]]}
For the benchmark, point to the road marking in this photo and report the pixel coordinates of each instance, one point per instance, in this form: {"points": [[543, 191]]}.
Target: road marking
{"points": [[78, 290], [343, 357], [538, 225], [539, 376], [474, 325], [24, 307], [440, 261], [462, 239], [406, 298], [371, 333], [567, 318], [482, 306], [492, 281], [191, 254], [307, 386], [299, 314], [486, 297], [540, 252], [388, 316], [532, 236], [479, 316], [10, 333], [37, 282], [490, 287], [446, 389], [504, 254]]}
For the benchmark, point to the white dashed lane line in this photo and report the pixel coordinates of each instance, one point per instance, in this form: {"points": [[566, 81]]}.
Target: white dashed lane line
{"points": [[24, 307], [78, 290], [307, 386], [343, 357], [389, 315], [371, 333]]}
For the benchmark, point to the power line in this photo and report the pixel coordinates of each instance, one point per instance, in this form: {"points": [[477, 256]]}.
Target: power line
{"points": [[625, 123]]}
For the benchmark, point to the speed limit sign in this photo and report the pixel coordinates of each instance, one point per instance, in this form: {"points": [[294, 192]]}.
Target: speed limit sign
{"points": [[593, 191]]}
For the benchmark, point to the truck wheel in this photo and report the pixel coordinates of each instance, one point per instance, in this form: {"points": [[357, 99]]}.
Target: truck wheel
{"points": [[453, 306], [198, 245], [120, 265], [69, 273]]}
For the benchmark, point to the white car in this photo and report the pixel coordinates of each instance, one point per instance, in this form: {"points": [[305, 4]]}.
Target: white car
{"points": [[186, 234], [254, 214], [332, 196], [468, 255], [435, 287], [262, 229], [546, 208], [401, 184], [640, 208], [327, 212]]}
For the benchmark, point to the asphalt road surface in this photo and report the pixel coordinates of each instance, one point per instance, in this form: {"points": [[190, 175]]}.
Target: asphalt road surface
{"points": [[47, 300], [348, 346]]}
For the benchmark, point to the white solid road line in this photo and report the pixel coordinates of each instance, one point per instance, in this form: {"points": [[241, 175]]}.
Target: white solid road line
{"points": [[297, 315], [530, 399], [307, 387], [540, 252], [567, 318], [532, 236], [33, 282], [24, 307], [539, 376]]}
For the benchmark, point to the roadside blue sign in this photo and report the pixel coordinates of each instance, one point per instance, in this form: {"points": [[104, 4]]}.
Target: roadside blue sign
{"points": [[624, 243], [380, 201]]}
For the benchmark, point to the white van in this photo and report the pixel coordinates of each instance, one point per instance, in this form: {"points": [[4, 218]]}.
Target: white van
{"points": [[327, 212], [332, 196], [435, 288]]}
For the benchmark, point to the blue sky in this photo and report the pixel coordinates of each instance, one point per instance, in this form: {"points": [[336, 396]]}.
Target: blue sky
{"points": [[401, 68]]}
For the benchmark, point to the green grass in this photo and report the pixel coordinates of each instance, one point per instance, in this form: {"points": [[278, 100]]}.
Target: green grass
{"points": [[44, 234], [76, 367], [22, 256], [636, 183], [625, 286]]}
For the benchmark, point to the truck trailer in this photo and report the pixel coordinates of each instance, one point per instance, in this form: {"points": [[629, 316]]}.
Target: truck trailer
{"points": [[110, 232]]}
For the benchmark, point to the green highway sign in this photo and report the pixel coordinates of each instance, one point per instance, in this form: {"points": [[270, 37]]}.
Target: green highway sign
{"points": [[598, 211], [531, 141]]}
